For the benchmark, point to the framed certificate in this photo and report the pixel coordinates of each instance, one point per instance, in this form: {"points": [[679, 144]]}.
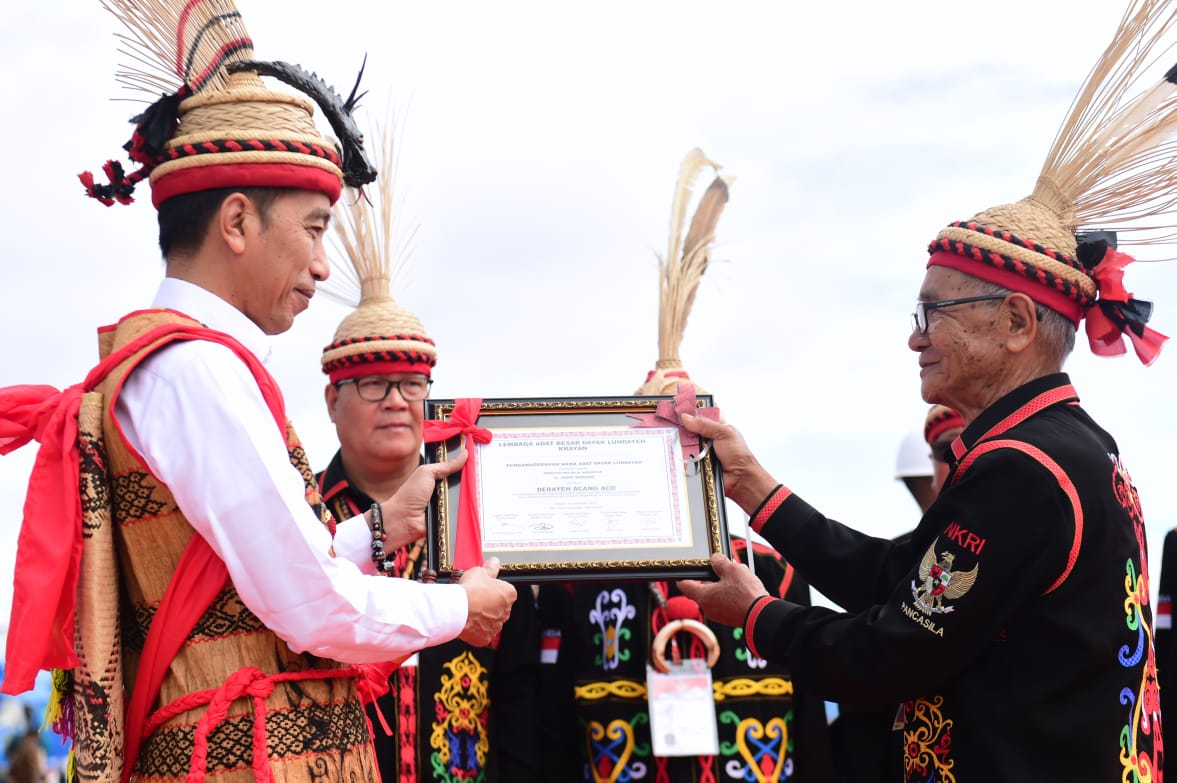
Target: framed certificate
{"points": [[577, 489]]}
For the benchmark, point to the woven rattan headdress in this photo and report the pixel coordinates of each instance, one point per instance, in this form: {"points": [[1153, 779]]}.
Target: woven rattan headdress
{"points": [[217, 125], [379, 336], [1113, 168], [680, 271]]}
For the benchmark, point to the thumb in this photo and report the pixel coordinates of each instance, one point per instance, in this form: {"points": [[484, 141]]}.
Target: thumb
{"points": [[451, 465], [721, 564], [492, 567], [702, 426]]}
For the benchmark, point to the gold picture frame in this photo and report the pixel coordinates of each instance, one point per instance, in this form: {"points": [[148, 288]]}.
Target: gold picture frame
{"points": [[581, 526]]}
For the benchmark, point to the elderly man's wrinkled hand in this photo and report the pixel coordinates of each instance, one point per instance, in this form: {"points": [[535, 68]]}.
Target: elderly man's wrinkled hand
{"points": [[727, 600], [489, 600], [744, 480]]}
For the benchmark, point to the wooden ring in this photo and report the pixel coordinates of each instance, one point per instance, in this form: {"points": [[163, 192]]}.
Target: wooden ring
{"points": [[658, 647]]}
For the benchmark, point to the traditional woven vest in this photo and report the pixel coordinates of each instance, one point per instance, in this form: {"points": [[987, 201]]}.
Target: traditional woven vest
{"points": [[314, 728]]}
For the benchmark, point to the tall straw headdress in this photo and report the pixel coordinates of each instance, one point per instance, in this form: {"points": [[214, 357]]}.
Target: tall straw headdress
{"points": [[681, 270], [379, 336], [1112, 168], [217, 125]]}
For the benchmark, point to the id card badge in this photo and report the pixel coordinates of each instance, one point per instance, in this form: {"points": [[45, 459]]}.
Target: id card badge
{"points": [[682, 710]]}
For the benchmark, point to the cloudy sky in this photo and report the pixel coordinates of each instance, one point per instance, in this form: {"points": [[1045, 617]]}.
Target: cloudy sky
{"points": [[539, 146]]}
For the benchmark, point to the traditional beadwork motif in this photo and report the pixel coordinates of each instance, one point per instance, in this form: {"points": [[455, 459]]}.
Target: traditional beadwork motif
{"points": [[1125, 490], [742, 652], [742, 688], [1143, 700], [765, 749], [611, 612], [406, 702], [623, 689], [459, 739], [927, 740], [611, 750]]}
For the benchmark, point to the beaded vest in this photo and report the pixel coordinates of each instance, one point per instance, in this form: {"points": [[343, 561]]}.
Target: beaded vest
{"points": [[315, 729]]}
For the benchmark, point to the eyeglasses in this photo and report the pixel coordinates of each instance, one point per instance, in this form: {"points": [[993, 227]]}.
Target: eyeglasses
{"points": [[374, 389], [919, 318]]}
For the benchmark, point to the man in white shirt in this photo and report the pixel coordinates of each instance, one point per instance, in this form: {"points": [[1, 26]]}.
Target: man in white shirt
{"points": [[212, 587]]}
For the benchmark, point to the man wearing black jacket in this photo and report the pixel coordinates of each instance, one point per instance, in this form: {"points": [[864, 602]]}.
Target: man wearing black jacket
{"points": [[1015, 624]]}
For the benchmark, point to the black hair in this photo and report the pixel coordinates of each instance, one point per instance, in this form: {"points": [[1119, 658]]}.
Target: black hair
{"points": [[184, 220]]}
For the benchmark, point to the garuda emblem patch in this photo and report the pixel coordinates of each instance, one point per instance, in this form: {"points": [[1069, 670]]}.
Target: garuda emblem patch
{"points": [[938, 583]]}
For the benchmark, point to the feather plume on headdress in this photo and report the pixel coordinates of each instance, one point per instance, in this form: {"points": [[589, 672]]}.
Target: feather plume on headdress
{"points": [[1114, 161], [368, 254], [379, 335], [177, 44], [217, 124], [1112, 168], [681, 270]]}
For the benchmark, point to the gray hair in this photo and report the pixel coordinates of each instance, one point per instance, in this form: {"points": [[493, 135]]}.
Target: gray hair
{"points": [[1058, 333]]}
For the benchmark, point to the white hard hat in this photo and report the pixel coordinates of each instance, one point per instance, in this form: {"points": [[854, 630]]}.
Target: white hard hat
{"points": [[913, 459]]}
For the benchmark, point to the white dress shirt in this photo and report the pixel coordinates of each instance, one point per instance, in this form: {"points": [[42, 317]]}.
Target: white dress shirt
{"points": [[194, 413]]}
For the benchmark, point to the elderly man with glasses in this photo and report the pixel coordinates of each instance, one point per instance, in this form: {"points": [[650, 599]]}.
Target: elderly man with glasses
{"points": [[1012, 631]]}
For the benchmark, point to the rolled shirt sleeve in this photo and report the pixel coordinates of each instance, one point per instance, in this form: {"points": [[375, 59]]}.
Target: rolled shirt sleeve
{"points": [[195, 414]]}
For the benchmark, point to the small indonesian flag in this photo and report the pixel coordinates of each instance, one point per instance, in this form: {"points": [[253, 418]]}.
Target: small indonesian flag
{"points": [[549, 646], [1164, 618]]}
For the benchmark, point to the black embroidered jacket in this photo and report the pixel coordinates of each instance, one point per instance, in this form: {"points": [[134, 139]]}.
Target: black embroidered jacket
{"points": [[1014, 626], [458, 713]]}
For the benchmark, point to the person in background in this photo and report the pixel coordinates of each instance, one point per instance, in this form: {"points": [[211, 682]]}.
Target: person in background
{"points": [[942, 426], [27, 760], [457, 712], [914, 469]]}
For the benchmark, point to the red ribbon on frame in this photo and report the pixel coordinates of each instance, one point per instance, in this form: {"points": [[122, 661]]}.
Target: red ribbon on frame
{"points": [[464, 421], [668, 413]]}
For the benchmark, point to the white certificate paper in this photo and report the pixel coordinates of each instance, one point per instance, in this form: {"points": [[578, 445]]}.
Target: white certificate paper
{"points": [[582, 488]]}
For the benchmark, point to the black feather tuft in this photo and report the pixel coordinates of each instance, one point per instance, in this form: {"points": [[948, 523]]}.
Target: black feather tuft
{"points": [[357, 169], [1093, 246]]}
